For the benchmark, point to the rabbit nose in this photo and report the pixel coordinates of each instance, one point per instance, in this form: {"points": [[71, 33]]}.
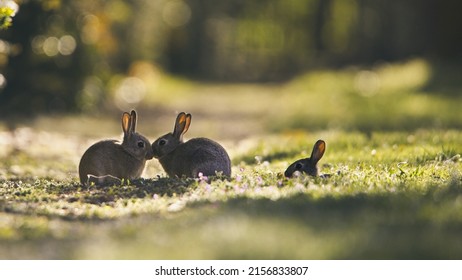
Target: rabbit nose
{"points": [[150, 154], [154, 151]]}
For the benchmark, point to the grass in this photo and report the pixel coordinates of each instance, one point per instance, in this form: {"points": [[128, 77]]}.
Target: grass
{"points": [[392, 194]]}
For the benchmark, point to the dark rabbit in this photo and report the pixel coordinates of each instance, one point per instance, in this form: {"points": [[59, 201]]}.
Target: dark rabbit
{"points": [[188, 159], [308, 165], [109, 162]]}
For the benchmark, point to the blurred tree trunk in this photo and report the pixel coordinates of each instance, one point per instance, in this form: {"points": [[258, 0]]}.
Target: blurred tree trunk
{"points": [[320, 18]]}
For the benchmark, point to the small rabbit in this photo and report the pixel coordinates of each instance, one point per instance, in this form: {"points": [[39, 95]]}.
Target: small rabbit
{"points": [[308, 165], [109, 162], [189, 159]]}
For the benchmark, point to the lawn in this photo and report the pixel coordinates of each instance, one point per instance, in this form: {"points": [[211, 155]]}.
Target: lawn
{"points": [[394, 144]]}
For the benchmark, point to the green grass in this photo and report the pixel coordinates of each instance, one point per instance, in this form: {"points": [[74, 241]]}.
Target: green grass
{"points": [[394, 190], [390, 195]]}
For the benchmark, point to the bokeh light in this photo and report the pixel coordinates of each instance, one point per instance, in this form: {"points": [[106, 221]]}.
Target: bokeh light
{"points": [[50, 46], [129, 92], [176, 13], [2, 81], [367, 83], [67, 45], [90, 26]]}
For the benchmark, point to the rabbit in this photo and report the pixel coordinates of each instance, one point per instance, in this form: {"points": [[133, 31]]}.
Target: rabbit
{"points": [[108, 161], [192, 158], [308, 165]]}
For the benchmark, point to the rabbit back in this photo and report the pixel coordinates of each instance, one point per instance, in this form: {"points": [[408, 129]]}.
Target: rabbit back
{"points": [[109, 158], [198, 155]]}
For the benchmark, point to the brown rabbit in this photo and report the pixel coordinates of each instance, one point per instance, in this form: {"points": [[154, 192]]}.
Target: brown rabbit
{"points": [[308, 165], [198, 155], [109, 162]]}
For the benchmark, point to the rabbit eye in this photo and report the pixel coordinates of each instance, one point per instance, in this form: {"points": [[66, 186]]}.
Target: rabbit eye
{"points": [[162, 142], [298, 166], [140, 144]]}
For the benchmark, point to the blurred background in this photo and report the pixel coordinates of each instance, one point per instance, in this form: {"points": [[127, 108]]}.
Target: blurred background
{"points": [[310, 63]]}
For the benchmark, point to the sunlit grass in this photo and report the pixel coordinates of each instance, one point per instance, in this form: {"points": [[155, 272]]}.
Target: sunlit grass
{"points": [[385, 189], [393, 155]]}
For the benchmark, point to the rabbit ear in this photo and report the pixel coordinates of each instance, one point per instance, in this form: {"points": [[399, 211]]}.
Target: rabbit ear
{"points": [[318, 151], [126, 123], [132, 121], [182, 123], [188, 123]]}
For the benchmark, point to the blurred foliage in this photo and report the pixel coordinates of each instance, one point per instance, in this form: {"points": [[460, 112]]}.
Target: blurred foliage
{"points": [[64, 55]]}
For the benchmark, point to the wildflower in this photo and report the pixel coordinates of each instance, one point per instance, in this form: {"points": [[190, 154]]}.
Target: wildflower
{"points": [[8, 10], [238, 178]]}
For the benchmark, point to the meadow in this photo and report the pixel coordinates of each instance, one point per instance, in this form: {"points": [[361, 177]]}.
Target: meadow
{"points": [[394, 190]]}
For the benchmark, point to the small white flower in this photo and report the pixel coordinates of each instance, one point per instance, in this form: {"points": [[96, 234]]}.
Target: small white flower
{"points": [[10, 4]]}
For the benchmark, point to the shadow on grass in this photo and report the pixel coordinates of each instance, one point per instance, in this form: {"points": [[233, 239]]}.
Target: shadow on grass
{"points": [[30, 192], [139, 188], [363, 226], [392, 225]]}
